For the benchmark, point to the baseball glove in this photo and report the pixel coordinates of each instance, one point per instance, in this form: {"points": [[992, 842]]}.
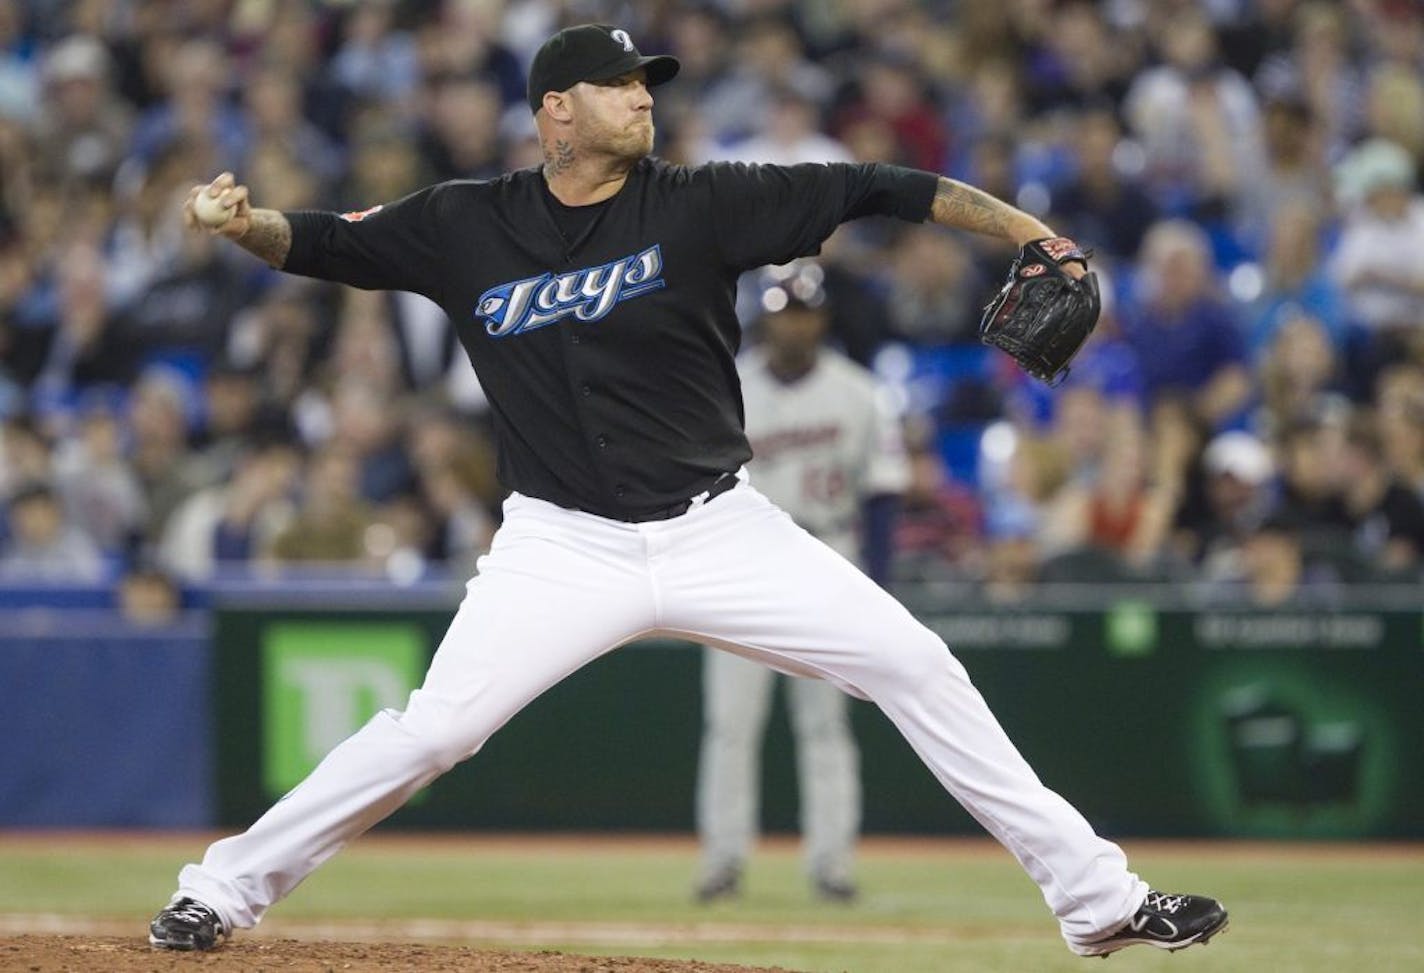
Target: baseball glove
{"points": [[1042, 316]]}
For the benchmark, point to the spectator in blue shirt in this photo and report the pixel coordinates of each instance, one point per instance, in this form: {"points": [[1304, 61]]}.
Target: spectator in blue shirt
{"points": [[1296, 280], [1185, 335]]}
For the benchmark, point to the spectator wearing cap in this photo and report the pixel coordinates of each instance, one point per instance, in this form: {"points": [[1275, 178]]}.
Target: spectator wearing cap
{"points": [[42, 545], [1238, 491], [85, 128], [1379, 261]]}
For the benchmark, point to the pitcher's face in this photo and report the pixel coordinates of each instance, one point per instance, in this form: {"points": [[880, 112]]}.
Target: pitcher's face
{"points": [[614, 117]]}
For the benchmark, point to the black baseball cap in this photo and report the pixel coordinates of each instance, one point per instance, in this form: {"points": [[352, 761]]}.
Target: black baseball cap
{"points": [[591, 52]]}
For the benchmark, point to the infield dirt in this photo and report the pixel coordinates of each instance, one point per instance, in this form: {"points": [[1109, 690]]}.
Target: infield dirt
{"points": [[78, 954]]}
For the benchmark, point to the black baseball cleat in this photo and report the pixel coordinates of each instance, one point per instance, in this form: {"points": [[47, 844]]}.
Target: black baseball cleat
{"points": [[1165, 920], [186, 924], [725, 883]]}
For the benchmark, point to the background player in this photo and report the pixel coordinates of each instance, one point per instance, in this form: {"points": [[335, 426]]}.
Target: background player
{"points": [[594, 296], [826, 450]]}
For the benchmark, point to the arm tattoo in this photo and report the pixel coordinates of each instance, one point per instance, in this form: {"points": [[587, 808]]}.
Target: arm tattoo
{"points": [[268, 236], [558, 159], [966, 208]]}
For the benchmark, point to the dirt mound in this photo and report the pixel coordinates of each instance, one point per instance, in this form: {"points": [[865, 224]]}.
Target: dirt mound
{"points": [[63, 954]]}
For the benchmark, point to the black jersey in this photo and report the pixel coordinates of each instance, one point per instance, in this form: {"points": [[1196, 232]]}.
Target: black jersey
{"points": [[605, 345]]}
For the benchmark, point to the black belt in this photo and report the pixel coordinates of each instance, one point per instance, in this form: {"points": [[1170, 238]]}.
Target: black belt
{"points": [[720, 486]]}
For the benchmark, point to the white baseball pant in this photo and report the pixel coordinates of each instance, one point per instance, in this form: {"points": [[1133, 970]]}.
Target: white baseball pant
{"points": [[560, 588], [736, 701]]}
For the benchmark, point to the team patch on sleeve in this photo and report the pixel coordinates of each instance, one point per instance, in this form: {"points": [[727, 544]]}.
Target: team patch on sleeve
{"points": [[356, 216]]}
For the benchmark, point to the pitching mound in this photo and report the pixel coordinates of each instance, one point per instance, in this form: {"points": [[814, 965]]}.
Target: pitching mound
{"points": [[63, 954]]}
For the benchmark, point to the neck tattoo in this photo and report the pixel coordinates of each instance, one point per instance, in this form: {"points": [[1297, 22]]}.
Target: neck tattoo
{"points": [[559, 159]]}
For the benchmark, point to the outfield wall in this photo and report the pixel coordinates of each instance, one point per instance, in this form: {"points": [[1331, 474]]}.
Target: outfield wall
{"points": [[1153, 719]]}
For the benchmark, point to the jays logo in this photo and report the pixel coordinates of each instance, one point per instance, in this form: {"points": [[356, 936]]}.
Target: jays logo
{"points": [[585, 295]]}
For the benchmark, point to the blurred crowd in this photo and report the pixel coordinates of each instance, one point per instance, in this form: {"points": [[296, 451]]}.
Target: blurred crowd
{"points": [[1248, 417]]}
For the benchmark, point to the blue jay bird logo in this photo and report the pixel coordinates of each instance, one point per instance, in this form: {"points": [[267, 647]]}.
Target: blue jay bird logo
{"points": [[585, 295]]}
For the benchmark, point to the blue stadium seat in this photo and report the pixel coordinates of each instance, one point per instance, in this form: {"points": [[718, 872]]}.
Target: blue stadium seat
{"points": [[959, 447]]}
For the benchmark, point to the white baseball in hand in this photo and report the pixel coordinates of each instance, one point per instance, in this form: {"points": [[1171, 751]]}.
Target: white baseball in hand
{"points": [[210, 212]]}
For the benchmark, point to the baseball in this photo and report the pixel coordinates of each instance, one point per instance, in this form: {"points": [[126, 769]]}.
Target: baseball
{"points": [[210, 212]]}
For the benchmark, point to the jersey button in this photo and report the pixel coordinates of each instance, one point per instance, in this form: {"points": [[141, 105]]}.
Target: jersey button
{"points": [[587, 390], [574, 339], [620, 492], [602, 441]]}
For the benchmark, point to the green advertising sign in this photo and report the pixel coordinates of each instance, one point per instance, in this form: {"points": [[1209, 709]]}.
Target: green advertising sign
{"points": [[1150, 719], [321, 681]]}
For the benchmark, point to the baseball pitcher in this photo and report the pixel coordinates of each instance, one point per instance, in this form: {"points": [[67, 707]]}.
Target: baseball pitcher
{"points": [[594, 297]]}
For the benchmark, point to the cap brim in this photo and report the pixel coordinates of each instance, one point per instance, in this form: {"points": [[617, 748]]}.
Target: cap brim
{"points": [[659, 67]]}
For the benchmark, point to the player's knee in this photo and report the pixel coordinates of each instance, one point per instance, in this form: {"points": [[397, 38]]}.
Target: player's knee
{"points": [[443, 750], [440, 743], [920, 659]]}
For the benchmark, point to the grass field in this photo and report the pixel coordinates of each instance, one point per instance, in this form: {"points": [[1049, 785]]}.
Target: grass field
{"points": [[928, 906]]}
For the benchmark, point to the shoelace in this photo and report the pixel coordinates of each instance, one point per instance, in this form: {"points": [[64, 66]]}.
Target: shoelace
{"points": [[1163, 902], [194, 912]]}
